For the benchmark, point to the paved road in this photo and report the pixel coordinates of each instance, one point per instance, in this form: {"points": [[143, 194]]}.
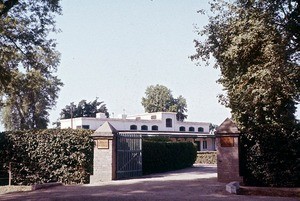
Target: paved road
{"points": [[196, 183]]}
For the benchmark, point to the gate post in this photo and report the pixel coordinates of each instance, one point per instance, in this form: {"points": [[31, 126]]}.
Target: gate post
{"points": [[104, 164], [227, 141]]}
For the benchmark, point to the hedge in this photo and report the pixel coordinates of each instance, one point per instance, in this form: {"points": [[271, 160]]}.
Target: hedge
{"points": [[271, 157], [42, 156], [167, 156]]}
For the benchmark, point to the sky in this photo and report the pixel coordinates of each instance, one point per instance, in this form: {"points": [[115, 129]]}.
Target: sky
{"points": [[115, 49]]}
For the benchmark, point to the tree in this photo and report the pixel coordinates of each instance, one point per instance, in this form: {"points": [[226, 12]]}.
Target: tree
{"points": [[84, 109], [28, 87], [28, 99], [256, 47], [24, 43], [160, 99]]}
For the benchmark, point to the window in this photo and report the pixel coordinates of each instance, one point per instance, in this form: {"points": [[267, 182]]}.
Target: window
{"points": [[169, 123], [153, 117], [192, 129], [133, 127], [181, 128], [144, 128], [198, 145], [204, 145], [200, 130], [86, 126], [155, 128]]}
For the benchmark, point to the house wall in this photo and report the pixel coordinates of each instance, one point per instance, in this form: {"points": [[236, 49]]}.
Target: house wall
{"points": [[124, 123], [138, 120]]}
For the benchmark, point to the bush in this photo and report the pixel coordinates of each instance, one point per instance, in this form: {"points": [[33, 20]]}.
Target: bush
{"points": [[271, 157], [41, 156], [167, 156]]}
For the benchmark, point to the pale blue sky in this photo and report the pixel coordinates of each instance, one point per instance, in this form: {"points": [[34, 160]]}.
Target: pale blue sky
{"points": [[114, 49]]}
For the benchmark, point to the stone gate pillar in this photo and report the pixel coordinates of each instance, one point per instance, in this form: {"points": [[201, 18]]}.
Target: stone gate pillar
{"points": [[227, 143], [104, 166]]}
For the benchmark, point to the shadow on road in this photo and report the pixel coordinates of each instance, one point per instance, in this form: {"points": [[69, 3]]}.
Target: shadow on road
{"points": [[168, 186]]}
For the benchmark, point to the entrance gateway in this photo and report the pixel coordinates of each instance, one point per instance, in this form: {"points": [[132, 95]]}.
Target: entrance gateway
{"points": [[129, 155], [118, 154]]}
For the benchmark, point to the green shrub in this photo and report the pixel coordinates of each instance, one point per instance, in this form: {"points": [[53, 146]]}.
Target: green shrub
{"points": [[41, 156], [166, 156], [271, 157]]}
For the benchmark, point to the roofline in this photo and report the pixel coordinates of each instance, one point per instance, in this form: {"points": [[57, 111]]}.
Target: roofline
{"points": [[132, 120]]}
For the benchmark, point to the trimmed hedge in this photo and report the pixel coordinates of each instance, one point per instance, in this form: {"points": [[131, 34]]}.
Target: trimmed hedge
{"points": [[41, 156], [167, 156]]}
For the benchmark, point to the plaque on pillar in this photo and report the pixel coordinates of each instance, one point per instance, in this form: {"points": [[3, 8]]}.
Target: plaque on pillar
{"points": [[103, 144], [227, 141]]}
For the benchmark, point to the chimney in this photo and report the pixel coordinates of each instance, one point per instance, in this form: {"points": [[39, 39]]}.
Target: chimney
{"points": [[101, 115]]}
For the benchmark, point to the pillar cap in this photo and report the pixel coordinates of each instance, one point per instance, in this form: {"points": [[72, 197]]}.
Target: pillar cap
{"points": [[228, 127], [106, 130]]}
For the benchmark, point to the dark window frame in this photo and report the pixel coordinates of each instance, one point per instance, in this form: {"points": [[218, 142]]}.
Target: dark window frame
{"points": [[200, 129], [144, 127], [169, 123], [154, 128], [204, 144], [85, 126], [182, 128], [133, 127], [192, 129]]}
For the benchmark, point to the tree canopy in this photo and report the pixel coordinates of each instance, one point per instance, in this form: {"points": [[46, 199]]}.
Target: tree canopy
{"points": [[160, 99], [29, 60], [84, 109], [256, 47]]}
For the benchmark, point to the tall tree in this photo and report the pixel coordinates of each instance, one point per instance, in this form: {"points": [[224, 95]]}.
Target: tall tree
{"points": [[27, 56], [84, 109], [256, 46], [28, 99], [160, 99]]}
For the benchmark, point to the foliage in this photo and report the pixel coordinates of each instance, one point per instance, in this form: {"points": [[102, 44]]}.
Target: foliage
{"points": [[160, 99], [166, 156], [41, 156], [28, 99], [156, 139], [213, 127], [256, 47], [271, 157], [28, 88], [84, 109]]}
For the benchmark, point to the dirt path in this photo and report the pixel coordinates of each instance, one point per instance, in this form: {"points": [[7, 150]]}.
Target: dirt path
{"points": [[196, 183]]}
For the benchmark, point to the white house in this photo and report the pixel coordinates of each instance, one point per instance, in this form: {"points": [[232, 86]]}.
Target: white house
{"points": [[159, 123]]}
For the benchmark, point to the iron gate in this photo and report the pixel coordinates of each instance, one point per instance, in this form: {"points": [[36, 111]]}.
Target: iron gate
{"points": [[129, 155]]}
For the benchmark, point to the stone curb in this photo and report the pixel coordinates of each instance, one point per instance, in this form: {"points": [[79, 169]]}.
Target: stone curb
{"points": [[270, 191], [46, 185], [233, 187]]}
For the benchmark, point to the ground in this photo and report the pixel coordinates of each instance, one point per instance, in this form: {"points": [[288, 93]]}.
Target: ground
{"points": [[196, 183]]}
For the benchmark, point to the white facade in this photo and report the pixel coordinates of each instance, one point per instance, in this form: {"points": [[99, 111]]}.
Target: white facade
{"points": [[197, 132], [158, 121]]}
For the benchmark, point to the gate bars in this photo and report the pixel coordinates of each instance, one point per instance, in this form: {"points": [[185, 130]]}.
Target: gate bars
{"points": [[129, 155]]}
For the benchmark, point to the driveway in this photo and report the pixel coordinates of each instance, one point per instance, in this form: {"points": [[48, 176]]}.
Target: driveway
{"points": [[195, 183]]}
